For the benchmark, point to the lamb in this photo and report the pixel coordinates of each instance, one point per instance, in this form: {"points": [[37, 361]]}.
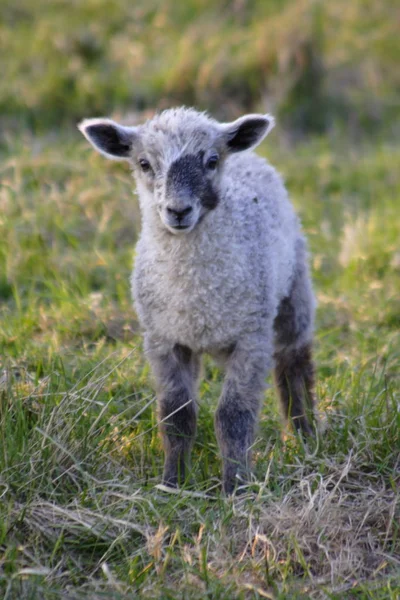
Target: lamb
{"points": [[221, 268]]}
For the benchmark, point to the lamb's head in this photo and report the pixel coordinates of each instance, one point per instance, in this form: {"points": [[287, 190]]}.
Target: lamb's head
{"points": [[177, 159]]}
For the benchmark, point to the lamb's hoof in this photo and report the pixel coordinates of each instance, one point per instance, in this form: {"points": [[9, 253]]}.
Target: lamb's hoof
{"points": [[236, 486], [171, 482], [167, 489]]}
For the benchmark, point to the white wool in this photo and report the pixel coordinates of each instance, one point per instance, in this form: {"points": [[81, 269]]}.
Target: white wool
{"points": [[224, 279]]}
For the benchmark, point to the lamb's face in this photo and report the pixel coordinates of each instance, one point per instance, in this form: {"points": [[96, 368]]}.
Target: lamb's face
{"points": [[179, 172], [177, 159]]}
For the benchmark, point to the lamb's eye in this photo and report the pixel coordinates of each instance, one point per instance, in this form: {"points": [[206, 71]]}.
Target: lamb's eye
{"points": [[212, 162], [145, 165]]}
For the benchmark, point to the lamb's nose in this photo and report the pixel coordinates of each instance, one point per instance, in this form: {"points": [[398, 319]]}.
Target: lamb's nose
{"points": [[179, 214]]}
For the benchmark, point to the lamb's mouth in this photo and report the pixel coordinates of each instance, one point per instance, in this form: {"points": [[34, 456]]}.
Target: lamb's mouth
{"points": [[179, 229]]}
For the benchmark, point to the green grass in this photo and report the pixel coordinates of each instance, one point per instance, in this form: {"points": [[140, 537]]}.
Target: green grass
{"points": [[80, 456], [312, 62]]}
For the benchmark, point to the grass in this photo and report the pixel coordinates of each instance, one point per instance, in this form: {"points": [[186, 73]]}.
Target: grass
{"points": [[80, 516], [314, 63]]}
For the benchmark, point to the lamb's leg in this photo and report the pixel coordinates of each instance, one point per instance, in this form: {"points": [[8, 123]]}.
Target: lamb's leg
{"points": [[237, 413], [294, 367], [294, 377], [176, 373]]}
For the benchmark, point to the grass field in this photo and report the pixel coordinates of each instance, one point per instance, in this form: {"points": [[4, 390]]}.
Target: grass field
{"points": [[80, 516], [312, 62], [80, 456]]}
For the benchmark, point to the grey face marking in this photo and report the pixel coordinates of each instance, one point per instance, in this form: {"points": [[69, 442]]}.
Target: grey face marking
{"points": [[187, 176]]}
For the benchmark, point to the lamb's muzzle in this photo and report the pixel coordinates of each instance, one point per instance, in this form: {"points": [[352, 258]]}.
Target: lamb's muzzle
{"points": [[233, 281], [179, 219]]}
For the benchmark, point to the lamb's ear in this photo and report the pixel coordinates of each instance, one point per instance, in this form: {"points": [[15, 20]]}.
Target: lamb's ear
{"points": [[113, 140], [246, 132]]}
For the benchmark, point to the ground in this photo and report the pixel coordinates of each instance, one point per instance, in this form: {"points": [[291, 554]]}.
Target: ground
{"points": [[80, 457]]}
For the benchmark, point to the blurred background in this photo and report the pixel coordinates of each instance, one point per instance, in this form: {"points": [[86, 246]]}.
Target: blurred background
{"points": [[328, 71], [316, 65]]}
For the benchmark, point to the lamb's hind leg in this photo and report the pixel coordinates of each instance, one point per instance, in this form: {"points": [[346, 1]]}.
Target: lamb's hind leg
{"points": [[294, 367], [176, 372], [237, 413]]}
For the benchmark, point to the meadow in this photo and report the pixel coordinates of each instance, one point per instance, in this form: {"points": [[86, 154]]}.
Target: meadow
{"points": [[80, 457]]}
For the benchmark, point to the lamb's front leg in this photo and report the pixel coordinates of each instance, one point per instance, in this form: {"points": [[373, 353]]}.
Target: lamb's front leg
{"points": [[176, 372], [238, 409]]}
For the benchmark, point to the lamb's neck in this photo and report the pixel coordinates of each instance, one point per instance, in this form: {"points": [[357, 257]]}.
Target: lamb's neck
{"points": [[194, 247], [166, 242]]}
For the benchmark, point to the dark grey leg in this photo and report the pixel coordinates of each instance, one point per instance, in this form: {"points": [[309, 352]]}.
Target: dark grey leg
{"points": [[176, 373], [294, 377], [294, 367], [237, 413]]}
